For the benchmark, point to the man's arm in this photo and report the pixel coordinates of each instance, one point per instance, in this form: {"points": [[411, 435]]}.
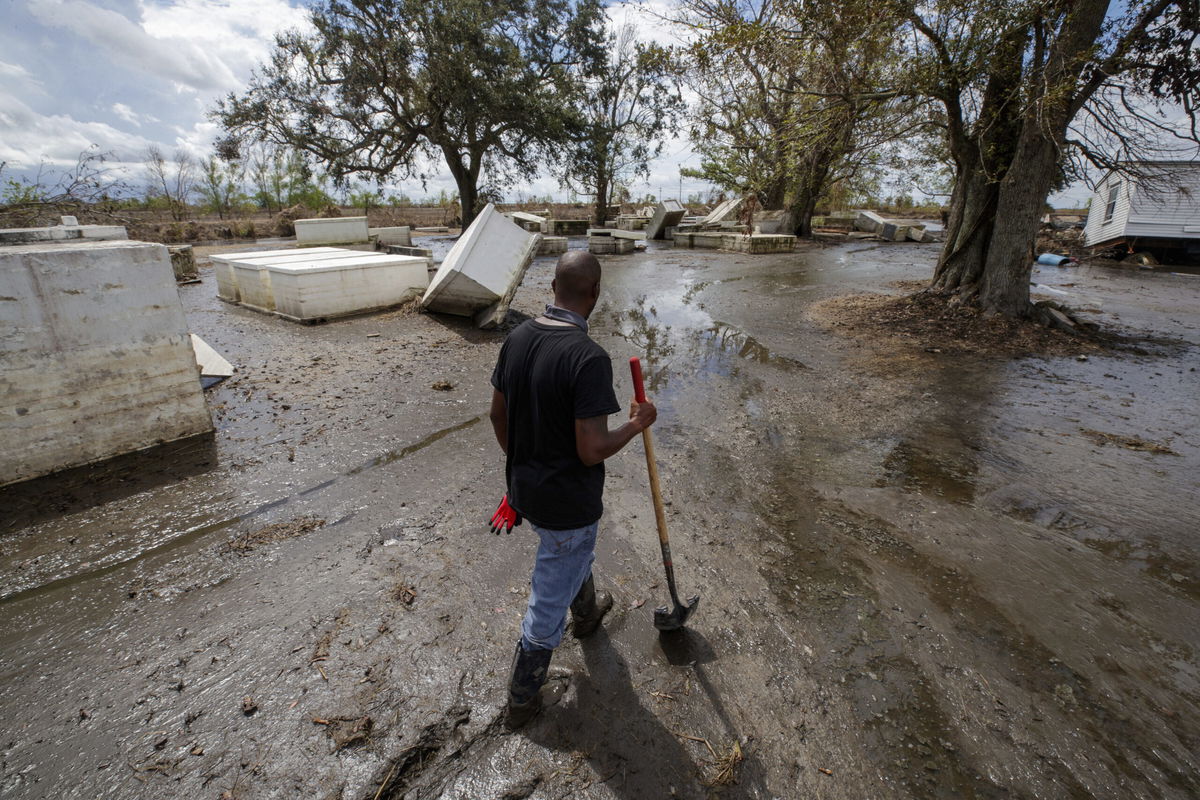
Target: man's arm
{"points": [[499, 417], [594, 442]]}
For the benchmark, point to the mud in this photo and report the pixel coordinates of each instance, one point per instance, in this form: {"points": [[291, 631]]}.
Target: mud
{"points": [[923, 574]]}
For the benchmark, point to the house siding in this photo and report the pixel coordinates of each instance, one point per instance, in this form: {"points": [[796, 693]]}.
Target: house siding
{"points": [[1097, 229], [1144, 214]]}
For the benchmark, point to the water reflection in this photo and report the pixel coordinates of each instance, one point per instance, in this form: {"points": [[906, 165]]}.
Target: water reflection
{"points": [[675, 335]]}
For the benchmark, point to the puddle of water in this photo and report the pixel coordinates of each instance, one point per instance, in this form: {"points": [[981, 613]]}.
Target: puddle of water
{"points": [[676, 336], [920, 469]]}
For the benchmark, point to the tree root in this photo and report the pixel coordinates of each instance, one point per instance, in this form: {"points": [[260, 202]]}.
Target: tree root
{"points": [[1057, 316]]}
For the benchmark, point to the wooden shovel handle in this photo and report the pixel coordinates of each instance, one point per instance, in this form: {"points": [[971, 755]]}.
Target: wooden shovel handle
{"points": [[660, 514]]}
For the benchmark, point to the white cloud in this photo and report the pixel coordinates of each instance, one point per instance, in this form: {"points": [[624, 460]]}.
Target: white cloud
{"points": [[127, 43], [199, 45], [126, 113], [146, 76], [28, 138]]}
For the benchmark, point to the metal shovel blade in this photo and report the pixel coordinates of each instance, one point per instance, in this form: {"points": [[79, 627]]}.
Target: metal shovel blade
{"points": [[672, 619]]}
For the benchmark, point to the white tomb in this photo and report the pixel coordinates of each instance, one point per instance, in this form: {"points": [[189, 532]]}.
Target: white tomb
{"points": [[313, 284], [227, 286], [667, 214], [332, 230], [63, 233], [97, 358], [482, 271], [398, 235], [723, 212]]}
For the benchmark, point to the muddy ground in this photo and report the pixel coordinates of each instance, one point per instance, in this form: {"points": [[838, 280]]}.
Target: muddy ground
{"points": [[924, 573]]}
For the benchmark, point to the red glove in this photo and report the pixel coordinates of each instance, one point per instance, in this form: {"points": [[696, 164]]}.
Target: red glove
{"points": [[506, 518]]}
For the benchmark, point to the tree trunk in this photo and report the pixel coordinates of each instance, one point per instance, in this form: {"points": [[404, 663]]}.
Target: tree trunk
{"points": [[801, 212], [600, 211], [466, 178], [968, 233], [1009, 263]]}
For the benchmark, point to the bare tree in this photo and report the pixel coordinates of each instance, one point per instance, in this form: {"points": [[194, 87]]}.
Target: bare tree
{"points": [[51, 192], [173, 180]]}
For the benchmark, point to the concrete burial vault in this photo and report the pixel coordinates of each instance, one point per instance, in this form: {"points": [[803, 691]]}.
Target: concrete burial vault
{"points": [[482, 271], [96, 354], [667, 214], [332, 230], [318, 283]]}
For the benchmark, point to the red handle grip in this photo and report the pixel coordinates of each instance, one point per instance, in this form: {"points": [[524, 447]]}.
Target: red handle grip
{"points": [[635, 368]]}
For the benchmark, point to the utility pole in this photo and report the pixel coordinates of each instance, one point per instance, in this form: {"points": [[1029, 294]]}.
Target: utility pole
{"points": [[679, 196]]}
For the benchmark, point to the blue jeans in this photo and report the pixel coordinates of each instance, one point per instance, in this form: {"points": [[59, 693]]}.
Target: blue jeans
{"points": [[564, 561]]}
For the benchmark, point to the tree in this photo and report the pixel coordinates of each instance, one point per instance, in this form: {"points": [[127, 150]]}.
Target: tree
{"points": [[382, 88], [172, 180], [788, 104], [630, 99], [220, 185], [365, 197], [51, 192], [1017, 84], [268, 169]]}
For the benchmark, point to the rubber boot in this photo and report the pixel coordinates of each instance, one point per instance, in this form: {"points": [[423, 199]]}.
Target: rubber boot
{"points": [[588, 609], [529, 671]]}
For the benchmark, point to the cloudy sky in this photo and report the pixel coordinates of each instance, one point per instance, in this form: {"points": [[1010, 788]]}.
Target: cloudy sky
{"points": [[125, 74]]}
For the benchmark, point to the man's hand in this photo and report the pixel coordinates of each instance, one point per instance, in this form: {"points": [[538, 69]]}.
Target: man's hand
{"points": [[506, 518], [642, 415], [594, 442]]}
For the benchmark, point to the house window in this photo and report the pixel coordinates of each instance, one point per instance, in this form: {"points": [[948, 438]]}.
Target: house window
{"points": [[1114, 191]]}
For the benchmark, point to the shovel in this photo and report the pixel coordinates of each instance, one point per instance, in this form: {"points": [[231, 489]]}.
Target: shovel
{"points": [[665, 619]]}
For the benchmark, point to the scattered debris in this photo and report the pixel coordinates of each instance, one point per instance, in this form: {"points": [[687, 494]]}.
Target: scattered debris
{"points": [[404, 593], [926, 319], [267, 534], [213, 366], [248, 705], [347, 732], [1128, 442], [442, 386], [1056, 260]]}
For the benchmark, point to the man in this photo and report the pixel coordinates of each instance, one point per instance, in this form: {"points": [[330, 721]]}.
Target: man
{"points": [[551, 401]]}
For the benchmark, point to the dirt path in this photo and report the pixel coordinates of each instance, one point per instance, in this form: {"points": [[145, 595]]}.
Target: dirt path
{"points": [[923, 574]]}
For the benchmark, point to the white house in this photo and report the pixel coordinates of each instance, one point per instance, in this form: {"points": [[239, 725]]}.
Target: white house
{"points": [[1159, 211]]}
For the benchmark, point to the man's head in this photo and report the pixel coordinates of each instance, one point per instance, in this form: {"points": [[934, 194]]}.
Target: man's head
{"points": [[576, 281]]}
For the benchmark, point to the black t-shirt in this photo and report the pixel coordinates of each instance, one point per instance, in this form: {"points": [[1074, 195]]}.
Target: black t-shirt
{"points": [[550, 376]]}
